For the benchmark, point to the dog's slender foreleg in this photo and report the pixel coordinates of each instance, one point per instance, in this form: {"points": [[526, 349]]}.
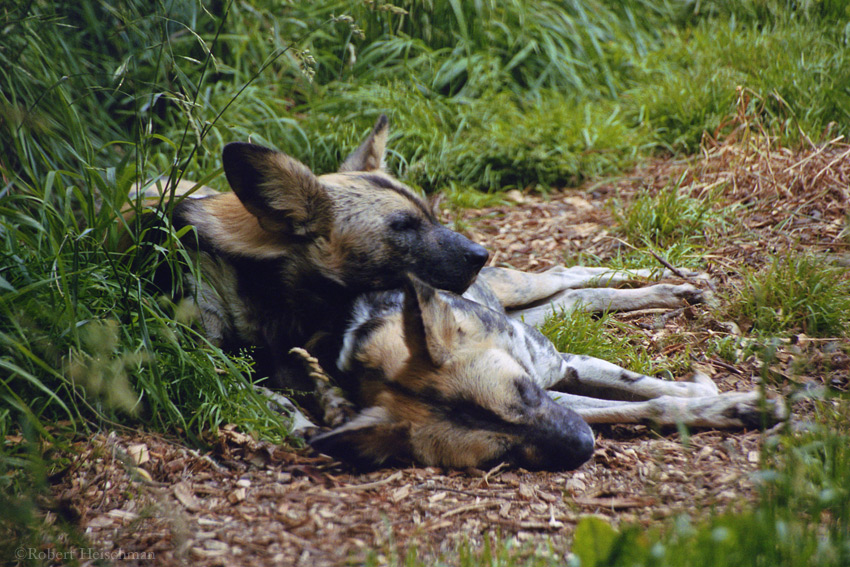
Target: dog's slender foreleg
{"points": [[589, 376], [724, 410], [598, 300], [516, 289]]}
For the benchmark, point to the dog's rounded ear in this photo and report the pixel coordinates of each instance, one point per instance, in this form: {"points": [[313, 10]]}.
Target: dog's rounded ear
{"points": [[279, 190], [430, 328], [367, 441], [369, 156]]}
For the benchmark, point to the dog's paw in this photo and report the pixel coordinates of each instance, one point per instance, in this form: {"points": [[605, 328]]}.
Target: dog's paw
{"points": [[280, 404], [762, 413], [734, 410], [747, 410], [706, 385], [338, 410], [690, 294]]}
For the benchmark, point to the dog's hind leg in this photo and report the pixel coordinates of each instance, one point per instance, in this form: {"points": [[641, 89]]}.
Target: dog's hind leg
{"points": [[516, 289], [725, 410], [598, 300], [588, 376]]}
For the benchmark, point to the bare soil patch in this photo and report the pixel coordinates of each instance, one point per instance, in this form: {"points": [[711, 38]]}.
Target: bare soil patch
{"points": [[249, 502]]}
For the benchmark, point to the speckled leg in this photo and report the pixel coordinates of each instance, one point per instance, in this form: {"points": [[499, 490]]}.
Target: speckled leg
{"points": [[725, 410]]}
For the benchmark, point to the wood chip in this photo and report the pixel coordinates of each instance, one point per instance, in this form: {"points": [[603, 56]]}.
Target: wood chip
{"points": [[139, 453], [400, 494], [237, 495], [186, 496], [614, 503]]}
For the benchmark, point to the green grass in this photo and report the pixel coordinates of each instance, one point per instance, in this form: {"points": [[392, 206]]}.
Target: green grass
{"points": [[672, 224], [599, 336], [796, 293], [669, 217]]}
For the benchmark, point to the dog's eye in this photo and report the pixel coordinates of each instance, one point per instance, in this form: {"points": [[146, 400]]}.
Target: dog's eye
{"points": [[404, 222]]}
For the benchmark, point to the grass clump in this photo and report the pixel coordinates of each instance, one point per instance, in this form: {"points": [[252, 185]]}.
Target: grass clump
{"points": [[550, 140], [599, 336], [801, 518], [796, 293], [671, 224], [670, 217], [84, 336]]}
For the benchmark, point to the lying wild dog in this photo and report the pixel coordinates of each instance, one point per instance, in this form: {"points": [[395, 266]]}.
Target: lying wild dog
{"points": [[455, 381], [285, 254], [292, 259]]}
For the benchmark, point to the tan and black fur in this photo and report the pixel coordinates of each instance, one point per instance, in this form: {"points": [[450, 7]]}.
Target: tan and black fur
{"points": [[284, 255], [355, 267], [457, 381]]}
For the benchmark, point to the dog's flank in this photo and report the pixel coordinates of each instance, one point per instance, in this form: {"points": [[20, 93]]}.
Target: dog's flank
{"points": [[284, 255]]}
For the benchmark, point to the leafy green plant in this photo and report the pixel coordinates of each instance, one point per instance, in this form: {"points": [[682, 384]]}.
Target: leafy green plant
{"points": [[95, 97]]}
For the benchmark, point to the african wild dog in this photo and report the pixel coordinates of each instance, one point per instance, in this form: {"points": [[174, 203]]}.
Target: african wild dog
{"points": [[455, 381], [286, 253], [346, 264]]}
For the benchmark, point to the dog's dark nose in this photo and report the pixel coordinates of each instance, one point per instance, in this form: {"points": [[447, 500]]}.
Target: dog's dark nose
{"points": [[557, 440], [476, 255], [582, 443]]}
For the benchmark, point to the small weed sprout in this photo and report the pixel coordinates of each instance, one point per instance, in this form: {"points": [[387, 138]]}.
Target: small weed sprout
{"points": [[101, 370]]}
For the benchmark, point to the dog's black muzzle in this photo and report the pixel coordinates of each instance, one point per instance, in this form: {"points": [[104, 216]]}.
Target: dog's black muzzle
{"points": [[453, 263]]}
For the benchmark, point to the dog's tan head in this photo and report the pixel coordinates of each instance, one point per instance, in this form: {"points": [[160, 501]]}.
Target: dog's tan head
{"points": [[360, 226], [439, 387]]}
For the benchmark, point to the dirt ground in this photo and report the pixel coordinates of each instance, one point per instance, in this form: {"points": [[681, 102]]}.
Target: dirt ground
{"points": [[253, 503]]}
